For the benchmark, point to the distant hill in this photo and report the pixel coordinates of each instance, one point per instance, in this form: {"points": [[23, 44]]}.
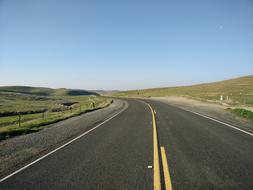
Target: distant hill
{"points": [[42, 91], [73, 92], [239, 89], [104, 92]]}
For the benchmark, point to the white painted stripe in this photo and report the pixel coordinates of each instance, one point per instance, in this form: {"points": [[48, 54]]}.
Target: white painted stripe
{"points": [[221, 122], [53, 151]]}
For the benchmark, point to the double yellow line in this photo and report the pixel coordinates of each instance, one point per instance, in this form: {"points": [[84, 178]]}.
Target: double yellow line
{"points": [[156, 163]]}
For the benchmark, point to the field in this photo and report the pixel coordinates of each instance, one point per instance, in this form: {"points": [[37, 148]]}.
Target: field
{"points": [[22, 113], [235, 92]]}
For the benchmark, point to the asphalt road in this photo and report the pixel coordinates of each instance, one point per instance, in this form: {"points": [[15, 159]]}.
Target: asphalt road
{"points": [[201, 154]]}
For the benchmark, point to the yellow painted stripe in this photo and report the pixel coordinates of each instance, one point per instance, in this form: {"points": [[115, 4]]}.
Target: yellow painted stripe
{"points": [[166, 172], [156, 174]]}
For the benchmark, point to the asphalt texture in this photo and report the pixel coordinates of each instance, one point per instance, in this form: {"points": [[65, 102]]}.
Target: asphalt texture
{"points": [[21, 150], [201, 153]]}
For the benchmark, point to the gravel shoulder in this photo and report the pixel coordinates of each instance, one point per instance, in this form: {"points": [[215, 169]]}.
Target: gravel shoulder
{"points": [[18, 151], [213, 110]]}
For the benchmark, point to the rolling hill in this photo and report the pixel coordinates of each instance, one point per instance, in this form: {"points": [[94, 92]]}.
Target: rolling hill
{"points": [[42, 91], [237, 90]]}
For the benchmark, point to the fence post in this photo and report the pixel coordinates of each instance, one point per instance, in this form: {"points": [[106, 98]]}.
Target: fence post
{"points": [[19, 119]]}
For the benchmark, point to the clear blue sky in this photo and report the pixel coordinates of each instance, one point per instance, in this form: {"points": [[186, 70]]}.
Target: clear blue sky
{"points": [[124, 44]]}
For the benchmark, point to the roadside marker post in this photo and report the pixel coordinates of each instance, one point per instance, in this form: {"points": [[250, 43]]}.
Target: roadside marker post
{"points": [[19, 119]]}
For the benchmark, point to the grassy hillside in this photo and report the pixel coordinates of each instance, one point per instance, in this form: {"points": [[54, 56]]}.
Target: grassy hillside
{"points": [[238, 91], [54, 110], [41, 91], [30, 109]]}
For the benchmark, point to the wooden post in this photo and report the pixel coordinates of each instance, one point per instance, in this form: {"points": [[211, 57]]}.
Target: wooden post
{"points": [[19, 119]]}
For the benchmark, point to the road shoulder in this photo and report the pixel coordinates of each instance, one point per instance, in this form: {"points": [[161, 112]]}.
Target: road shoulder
{"points": [[212, 110], [18, 151]]}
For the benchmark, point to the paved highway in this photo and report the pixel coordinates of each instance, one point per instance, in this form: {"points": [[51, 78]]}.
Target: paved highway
{"points": [[150, 145]]}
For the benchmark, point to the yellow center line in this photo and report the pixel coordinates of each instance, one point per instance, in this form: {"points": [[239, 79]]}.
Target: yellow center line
{"points": [[166, 172], [156, 174]]}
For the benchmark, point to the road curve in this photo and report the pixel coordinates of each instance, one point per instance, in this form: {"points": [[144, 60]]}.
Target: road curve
{"points": [[203, 154], [199, 153]]}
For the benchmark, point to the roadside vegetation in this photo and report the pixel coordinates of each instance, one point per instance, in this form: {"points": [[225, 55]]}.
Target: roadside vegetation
{"points": [[22, 113], [243, 113]]}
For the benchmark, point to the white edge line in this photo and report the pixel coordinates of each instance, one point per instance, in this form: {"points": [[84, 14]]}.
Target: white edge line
{"points": [[62, 146], [231, 126]]}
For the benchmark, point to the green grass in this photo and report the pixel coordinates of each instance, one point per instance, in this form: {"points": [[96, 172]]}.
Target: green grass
{"points": [[37, 112], [243, 113], [239, 91], [11, 103]]}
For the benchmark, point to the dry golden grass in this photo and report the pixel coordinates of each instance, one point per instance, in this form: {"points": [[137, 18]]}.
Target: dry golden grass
{"points": [[238, 90]]}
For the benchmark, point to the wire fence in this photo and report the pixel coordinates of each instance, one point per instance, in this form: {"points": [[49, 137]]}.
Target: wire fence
{"points": [[20, 118]]}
